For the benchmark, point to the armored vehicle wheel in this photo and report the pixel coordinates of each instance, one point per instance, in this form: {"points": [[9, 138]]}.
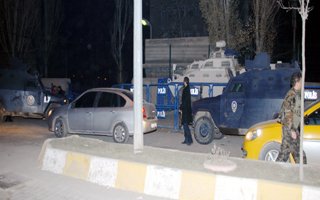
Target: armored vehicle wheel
{"points": [[120, 133], [60, 129], [205, 131]]}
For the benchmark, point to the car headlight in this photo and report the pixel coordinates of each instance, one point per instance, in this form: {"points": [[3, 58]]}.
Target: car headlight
{"points": [[251, 135]]}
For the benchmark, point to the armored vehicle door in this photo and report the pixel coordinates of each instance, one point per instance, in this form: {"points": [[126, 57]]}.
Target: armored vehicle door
{"points": [[233, 103]]}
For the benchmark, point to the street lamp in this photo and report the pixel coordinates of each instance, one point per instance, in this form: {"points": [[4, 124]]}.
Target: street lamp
{"points": [[147, 23]]}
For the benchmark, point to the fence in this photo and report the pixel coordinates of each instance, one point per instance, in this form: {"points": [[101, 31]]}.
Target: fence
{"points": [[167, 97]]}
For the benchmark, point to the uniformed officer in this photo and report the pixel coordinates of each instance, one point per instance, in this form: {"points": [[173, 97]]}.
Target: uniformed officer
{"points": [[290, 119]]}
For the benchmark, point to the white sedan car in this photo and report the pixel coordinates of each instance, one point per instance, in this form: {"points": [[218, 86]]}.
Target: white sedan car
{"points": [[102, 111]]}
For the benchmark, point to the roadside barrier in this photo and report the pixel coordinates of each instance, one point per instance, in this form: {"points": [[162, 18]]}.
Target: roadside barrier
{"points": [[142, 173]]}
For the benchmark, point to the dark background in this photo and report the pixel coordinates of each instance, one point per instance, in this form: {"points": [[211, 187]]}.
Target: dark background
{"points": [[83, 49]]}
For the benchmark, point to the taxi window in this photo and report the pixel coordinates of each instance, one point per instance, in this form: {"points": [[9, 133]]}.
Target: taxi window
{"points": [[314, 118]]}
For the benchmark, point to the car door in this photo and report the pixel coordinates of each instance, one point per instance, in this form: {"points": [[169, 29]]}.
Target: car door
{"points": [[80, 114], [110, 109], [311, 143], [234, 103]]}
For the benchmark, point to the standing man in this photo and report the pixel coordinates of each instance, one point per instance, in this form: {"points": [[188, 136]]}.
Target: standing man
{"points": [[185, 108], [290, 120]]}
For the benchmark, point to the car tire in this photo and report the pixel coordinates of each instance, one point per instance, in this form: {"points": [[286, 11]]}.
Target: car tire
{"points": [[205, 131], [120, 133], [60, 128], [270, 152]]}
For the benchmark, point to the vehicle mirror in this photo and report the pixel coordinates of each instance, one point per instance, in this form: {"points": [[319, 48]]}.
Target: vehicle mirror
{"points": [[275, 115], [306, 120]]}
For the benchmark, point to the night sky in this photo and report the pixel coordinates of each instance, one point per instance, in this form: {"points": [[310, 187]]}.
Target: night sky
{"points": [[84, 47]]}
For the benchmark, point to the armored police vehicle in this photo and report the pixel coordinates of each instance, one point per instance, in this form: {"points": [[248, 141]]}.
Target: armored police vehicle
{"points": [[248, 98], [219, 68], [23, 94]]}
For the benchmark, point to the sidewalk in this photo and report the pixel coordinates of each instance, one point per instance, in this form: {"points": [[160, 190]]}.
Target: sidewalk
{"points": [[175, 174], [47, 186]]}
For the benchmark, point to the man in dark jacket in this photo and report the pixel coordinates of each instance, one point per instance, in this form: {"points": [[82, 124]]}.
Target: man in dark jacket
{"points": [[185, 108]]}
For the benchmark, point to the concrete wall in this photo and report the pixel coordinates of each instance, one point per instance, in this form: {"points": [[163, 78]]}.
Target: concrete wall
{"points": [[159, 57]]}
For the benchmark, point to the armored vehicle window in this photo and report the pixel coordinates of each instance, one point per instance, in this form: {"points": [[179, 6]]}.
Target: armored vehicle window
{"points": [[208, 65], [85, 101], [225, 63], [31, 85], [195, 66], [237, 87]]}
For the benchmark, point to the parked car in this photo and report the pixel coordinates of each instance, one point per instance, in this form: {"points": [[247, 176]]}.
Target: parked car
{"points": [[262, 141], [102, 111]]}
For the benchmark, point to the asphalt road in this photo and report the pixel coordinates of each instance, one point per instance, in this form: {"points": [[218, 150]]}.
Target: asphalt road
{"points": [[35, 131], [22, 179]]}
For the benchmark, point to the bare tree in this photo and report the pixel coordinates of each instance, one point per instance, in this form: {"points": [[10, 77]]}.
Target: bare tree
{"points": [[52, 21], [121, 23], [19, 22], [303, 10], [222, 18], [265, 12]]}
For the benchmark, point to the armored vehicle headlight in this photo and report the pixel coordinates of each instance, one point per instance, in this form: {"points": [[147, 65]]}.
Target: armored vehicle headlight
{"points": [[251, 135]]}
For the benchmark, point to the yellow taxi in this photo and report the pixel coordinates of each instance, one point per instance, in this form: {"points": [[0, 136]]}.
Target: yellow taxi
{"points": [[262, 141]]}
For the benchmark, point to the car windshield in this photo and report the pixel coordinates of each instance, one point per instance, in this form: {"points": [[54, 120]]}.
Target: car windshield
{"points": [[128, 94], [306, 107]]}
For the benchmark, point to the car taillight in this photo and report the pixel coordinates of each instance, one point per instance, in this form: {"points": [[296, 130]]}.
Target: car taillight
{"points": [[144, 113]]}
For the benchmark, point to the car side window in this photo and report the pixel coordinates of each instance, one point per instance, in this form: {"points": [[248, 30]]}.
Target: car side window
{"points": [[111, 100], [105, 100], [314, 118], [86, 100]]}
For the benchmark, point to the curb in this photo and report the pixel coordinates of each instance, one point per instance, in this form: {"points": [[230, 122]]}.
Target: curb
{"points": [[167, 182]]}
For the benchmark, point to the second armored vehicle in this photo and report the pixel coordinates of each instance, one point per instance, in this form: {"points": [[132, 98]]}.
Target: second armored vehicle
{"points": [[248, 98]]}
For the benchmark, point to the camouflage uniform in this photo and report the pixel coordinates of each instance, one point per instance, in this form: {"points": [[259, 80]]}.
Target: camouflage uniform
{"points": [[290, 120]]}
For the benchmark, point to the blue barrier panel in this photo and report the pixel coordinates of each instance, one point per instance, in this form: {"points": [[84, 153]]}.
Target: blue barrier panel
{"points": [[168, 97]]}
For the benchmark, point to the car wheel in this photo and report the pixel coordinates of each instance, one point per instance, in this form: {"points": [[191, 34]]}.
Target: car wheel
{"points": [[205, 131], [120, 133], [60, 129], [270, 152]]}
